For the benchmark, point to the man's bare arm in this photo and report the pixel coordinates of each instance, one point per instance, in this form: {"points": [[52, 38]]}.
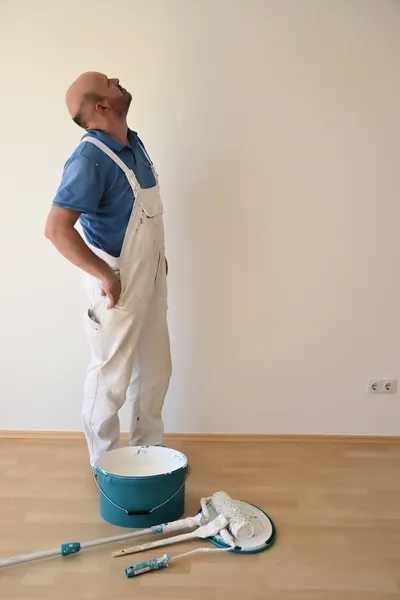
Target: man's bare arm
{"points": [[60, 230]]}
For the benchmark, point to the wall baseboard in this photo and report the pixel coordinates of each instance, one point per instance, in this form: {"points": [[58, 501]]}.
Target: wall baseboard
{"points": [[210, 437]]}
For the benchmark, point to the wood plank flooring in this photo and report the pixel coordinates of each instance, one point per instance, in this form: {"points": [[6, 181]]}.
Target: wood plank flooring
{"points": [[336, 507]]}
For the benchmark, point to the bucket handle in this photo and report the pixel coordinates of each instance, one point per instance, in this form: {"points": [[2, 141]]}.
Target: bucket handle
{"points": [[139, 512]]}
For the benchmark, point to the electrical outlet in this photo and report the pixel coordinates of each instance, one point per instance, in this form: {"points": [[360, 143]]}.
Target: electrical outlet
{"points": [[389, 386], [374, 386], [382, 386]]}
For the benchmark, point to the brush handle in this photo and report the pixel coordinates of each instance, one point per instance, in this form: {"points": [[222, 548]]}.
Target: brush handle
{"points": [[141, 548], [205, 531], [149, 565], [158, 563]]}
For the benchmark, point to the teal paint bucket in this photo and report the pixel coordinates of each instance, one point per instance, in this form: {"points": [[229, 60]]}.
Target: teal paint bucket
{"points": [[141, 486]]}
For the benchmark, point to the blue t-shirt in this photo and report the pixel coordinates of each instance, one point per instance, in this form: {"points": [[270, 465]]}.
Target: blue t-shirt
{"points": [[93, 185]]}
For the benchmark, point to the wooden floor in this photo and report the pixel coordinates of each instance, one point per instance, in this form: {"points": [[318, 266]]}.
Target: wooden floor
{"points": [[336, 507]]}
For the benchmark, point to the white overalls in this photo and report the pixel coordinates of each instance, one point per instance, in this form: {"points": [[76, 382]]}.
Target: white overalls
{"points": [[130, 347]]}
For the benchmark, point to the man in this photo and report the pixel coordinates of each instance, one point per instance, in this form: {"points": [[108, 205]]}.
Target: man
{"points": [[110, 185]]}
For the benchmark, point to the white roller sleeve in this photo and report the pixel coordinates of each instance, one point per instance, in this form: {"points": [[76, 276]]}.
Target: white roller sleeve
{"points": [[239, 526]]}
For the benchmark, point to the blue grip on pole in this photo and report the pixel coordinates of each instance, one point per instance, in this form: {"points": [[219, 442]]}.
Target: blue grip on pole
{"points": [[149, 565], [71, 548], [157, 529]]}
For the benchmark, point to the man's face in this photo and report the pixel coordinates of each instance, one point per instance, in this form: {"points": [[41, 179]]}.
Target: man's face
{"points": [[115, 95]]}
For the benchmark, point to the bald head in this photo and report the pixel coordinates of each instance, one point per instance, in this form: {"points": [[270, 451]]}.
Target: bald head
{"points": [[94, 98]]}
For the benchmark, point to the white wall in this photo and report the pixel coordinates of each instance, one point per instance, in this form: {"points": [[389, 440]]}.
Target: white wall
{"points": [[275, 127]]}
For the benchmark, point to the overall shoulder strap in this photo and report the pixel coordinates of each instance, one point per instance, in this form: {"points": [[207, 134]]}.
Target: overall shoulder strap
{"points": [[130, 175]]}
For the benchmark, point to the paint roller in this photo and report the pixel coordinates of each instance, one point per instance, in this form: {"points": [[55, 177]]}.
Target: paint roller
{"points": [[238, 524], [226, 520], [221, 503], [222, 516]]}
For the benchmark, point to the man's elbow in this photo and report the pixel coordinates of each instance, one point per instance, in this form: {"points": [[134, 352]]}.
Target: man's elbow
{"points": [[49, 230], [54, 229], [60, 222]]}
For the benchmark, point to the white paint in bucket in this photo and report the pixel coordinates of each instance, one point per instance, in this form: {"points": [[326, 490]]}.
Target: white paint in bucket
{"points": [[141, 461]]}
